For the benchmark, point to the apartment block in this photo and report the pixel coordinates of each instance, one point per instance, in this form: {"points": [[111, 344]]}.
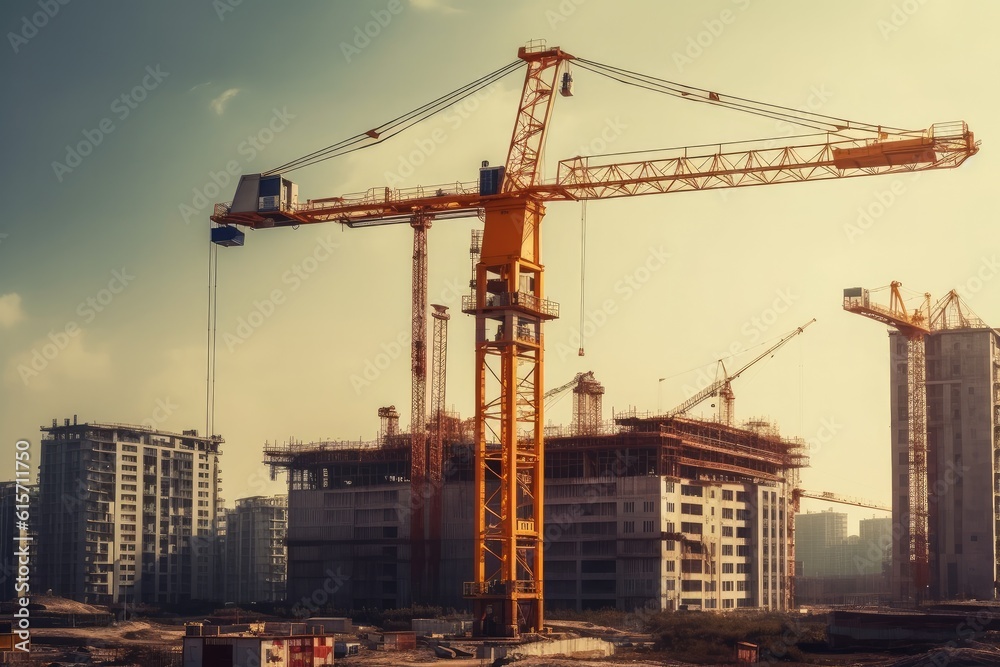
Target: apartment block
{"points": [[254, 547], [127, 513]]}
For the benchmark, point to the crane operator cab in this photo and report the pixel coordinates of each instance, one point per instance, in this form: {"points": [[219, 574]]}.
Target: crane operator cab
{"points": [[271, 197]]}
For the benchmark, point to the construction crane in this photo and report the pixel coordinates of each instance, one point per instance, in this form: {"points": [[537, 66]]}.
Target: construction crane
{"points": [[723, 387], [509, 289], [587, 402], [914, 326], [551, 393], [426, 548], [843, 500]]}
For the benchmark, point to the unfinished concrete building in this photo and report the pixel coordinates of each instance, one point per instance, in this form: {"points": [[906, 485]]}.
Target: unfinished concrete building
{"points": [[963, 460], [254, 546], [126, 513], [652, 512]]}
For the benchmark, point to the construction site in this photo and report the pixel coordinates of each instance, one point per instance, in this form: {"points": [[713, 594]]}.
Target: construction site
{"points": [[647, 511], [506, 516]]}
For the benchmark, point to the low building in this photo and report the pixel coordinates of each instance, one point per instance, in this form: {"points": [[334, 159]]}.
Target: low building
{"points": [[253, 649]]}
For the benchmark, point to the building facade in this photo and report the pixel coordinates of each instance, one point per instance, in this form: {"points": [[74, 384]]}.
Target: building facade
{"points": [[127, 513], [654, 513], [833, 567], [254, 546], [963, 446]]}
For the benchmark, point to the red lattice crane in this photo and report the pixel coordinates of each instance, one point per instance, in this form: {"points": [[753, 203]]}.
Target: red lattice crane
{"points": [[509, 300]]}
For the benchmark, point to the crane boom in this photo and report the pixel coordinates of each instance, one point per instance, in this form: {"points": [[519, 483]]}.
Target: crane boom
{"points": [[572, 383], [719, 386], [843, 500], [706, 167]]}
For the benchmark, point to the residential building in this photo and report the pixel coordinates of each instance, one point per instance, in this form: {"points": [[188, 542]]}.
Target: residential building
{"points": [[255, 564], [126, 513]]}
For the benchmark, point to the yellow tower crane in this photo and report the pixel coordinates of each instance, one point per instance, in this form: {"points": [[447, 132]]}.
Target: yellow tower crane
{"points": [[509, 300]]}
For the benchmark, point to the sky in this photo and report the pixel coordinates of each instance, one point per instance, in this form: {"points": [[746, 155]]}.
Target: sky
{"points": [[125, 122]]}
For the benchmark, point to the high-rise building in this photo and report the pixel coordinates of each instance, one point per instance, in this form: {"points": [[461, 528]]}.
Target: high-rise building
{"points": [[818, 537], [126, 513], [963, 463], [255, 550], [833, 567]]}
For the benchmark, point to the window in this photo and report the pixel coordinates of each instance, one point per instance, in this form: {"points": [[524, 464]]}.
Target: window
{"points": [[671, 566], [727, 512], [648, 506], [727, 549], [691, 508], [727, 586], [741, 585], [727, 531], [628, 527], [689, 527], [647, 526], [727, 495], [727, 568], [742, 550], [691, 491], [671, 507], [742, 515], [741, 496], [628, 507]]}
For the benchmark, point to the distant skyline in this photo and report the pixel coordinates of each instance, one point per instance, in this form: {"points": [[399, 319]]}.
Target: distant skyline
{"points": [[126, 122]]}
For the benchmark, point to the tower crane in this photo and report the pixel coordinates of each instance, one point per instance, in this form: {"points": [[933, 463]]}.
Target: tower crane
{"points": [[914, 326], [569, 385], [723, 388], [509, 287]]}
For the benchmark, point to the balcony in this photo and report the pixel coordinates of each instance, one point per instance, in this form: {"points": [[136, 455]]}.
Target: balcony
{"points": [[523, 301]]}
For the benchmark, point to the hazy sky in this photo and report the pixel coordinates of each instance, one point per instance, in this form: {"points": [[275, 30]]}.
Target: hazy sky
{"points": [[121, 119]]}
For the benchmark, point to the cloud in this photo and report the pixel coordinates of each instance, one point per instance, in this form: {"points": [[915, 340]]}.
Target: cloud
{"points": [[435, 6], [59, 361], [218, 105], [10, 310]]}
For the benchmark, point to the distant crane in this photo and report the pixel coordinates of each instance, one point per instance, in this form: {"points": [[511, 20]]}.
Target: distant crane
{"points": [[843, 500], [914, 326], [587, 403], [509, 289], [723, 387]]}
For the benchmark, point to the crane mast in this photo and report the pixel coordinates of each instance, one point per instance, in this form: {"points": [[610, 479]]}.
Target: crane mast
{"points": [[510, 308]]}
